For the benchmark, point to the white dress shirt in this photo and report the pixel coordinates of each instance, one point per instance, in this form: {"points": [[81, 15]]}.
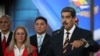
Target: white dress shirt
{"points": [[6, 35], [17, 51], [70, 35], [70, 31], [40, 39]]}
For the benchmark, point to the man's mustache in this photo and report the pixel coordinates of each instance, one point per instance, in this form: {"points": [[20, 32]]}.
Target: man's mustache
{"points": [[65, 23]]}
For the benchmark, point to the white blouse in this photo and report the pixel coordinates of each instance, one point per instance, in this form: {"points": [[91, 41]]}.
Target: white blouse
{"points": [[17, 51]]}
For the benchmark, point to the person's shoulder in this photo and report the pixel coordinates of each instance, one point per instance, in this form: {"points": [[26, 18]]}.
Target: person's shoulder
{"points": [[55, 34], [85, 30], [48, 35], [33, 36], [33, 48], [56, 31]]}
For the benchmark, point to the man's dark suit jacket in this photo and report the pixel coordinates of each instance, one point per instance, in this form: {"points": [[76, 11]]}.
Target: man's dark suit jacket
{"points": [[7, 43], [56, 43], [45, 44]]}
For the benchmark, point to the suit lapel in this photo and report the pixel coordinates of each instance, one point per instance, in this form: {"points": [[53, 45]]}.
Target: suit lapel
{"points": [[60, 42], [0, 37], [75, 34], [25, 53], [44, 41], [9, 38], [35, 41]]}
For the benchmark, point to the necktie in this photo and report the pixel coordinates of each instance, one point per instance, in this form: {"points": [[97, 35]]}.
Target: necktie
{"points": [[3, 43], [39, 43], [66, 43]]}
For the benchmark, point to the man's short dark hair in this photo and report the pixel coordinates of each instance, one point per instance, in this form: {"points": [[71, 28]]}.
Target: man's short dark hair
{"points": [[69, 9], [42, 18]]}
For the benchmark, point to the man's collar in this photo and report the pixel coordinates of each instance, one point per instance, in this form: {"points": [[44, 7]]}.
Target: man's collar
{"points": [[71, 30]]}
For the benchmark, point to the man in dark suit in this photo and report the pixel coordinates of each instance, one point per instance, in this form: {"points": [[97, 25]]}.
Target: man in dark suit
{"points": [[5, 34], [41, 39], [71, 40]]}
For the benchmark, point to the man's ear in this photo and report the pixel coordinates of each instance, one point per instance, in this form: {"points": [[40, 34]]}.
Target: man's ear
{"points": [[76, 20], [47, 26]]}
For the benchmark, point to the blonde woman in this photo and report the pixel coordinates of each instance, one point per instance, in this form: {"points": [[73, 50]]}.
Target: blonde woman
{"points": [[20, 44]]}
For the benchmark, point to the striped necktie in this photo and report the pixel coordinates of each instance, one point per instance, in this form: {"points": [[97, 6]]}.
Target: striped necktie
{"points": [[66, 43]]}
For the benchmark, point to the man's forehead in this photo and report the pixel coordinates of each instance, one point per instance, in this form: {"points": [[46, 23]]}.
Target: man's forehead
{"points": [[5, 18]]}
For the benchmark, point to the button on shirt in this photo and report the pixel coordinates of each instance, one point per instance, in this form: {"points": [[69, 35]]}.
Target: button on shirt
{"points": [[17, 51], [70, 31], [40, 39]]}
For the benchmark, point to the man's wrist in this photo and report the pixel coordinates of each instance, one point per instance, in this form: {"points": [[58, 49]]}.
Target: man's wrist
{"points": [[85, 43]]}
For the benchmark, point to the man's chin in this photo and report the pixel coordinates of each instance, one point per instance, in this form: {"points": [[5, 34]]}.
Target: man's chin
{"points": [[40, 32], [67, 28]]}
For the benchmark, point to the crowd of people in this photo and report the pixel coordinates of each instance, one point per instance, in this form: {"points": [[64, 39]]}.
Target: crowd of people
{"points": [[70, 40]]}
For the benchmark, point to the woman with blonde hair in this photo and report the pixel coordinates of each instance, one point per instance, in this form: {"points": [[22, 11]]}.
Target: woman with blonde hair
{"points": [[20, 44]]}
